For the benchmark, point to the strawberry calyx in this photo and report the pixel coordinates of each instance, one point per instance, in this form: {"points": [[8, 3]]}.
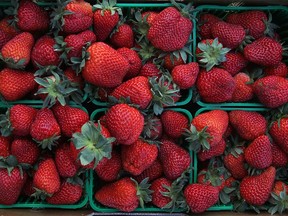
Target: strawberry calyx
{"points": [[47, 70], [11, 163], [141, 26], [185, 10], [77, 63], [11, 63], [150, 124], [48, 143], [270, 27], [93, 145], [247, 40], [93, 91], [146, 51], [5, 124], [13, 11], [143, 191], [40, 194], [61, 46], [107, 5]]}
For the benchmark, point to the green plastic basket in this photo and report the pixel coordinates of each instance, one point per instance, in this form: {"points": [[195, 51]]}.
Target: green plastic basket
{"points": [[29, 202], [195, 162], [186, 94], [280, 16], [96, 206]]}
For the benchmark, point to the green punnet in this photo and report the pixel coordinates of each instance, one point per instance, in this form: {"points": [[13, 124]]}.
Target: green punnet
{"points": [[143, 191], [93, 145], [107, 5], [212, 54]]}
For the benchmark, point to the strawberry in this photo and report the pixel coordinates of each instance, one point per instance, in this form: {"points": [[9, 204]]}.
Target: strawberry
{"points": [[249, 125], [243, 90], [106, 17], [125, 123], [28, 190], [278, 131], [153, 127], [213, 177], [71, 75], [45, 128], [46, 177], [4, 146], [200, 197], [185, 75], [138, 156], [271, 91], [103, 66], [134, 61], [70, 119], [171, 61], [174, 123], [206, 21], [259, 153], [264, 51], [279, 157], [278, 70], [150, 16], [149, 70], [279, 186], [65, 163], [18, 120], [10, 87], [153, 172], [25, 150], [229, 35], [213, 151], [170, 30], [109, 169], [69, 193], [255, 190], [278, 197], [158, 186], [175, 160], [123, 194], [234, 63], [123, 36], [7, 31], [215, 86]]}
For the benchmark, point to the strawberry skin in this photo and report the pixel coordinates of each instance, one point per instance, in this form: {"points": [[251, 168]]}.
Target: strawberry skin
{"points": [[255, 190], [236, 165], [279, 157], [243, 91], [278, 70], [185, 75], [206, 21], [73, 77], [168, 64], [213, 151], [278, 131], [153, 172], [4, 146], [157, 186], [123, 37], [7, 31], [234, 63], [149, 70]]}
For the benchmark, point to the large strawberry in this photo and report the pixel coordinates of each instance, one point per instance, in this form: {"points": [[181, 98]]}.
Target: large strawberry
{"points": [[206, 20], [185, 75], [234, 63], [16, 84], [106, 67], [243, 90], [278, 132]]}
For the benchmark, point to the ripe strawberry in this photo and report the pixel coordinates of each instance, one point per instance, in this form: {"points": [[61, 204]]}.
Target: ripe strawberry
{"points": [[185, 75], [279, 157], [153, 127], [153, 172], [175, 160], [70, 119], [259, 153], [106, 67], [45, 128], [278, 131], [69, 193], [215, 86], [235, 163], [150, 16], [109, 169], [200, 197], [213, 151], [169, 64], [213, 177], [46, 177], [134, 61], [170, 30], [174, 123], [278, 70], [158, 186], [25, 150], [229, 35], [11, 185], [65, 163], [70, 73], [149, 69], [4, 146], [7, 31], [255, 190], [10, 86], [123, 36], [264, 51], [279, 186], [31, 17], [271, 91], [249, 125], [138, 156], [243, 90], [234, 63], [207, 20], [106, 17]]}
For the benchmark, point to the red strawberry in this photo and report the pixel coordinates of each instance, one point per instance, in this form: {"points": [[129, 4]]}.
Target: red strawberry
{"points": [[213, 151], [70, 73], [249, 125], [46, 177], [153, 127], [4, 146], [175, 160], [109, 169], [243, 90], [255, 190], [123, 37], [70, 119], [158, 186], [106, 67], [229, 35], [150, 15], [264, 51], [235, 163], [200, 197], [185, 75], [169, 64], [279, 157], [212, 177], [149, 70], [259, 153], [170, 30], [69, 193], [25, 150], [174, 123], [278, 132], [153, 172], [7, 31], [134, 61], [10, 86], [278, 70], [215, 86], [207, 20], [279, 186], [272, 91], [234, 63], [138, 156]]}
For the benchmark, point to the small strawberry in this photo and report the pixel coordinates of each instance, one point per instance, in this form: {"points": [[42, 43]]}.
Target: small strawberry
{"points": [[243, 90], [171, 61], [159, 186], [4, 146], [185, 75], [279, 157], [123, 36], [278, 131], [278, 197], [149, 70], [278, 70], [279, 186], [150, 15], [213, 151], [153, 172], [206, 21], [234, 63]]}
